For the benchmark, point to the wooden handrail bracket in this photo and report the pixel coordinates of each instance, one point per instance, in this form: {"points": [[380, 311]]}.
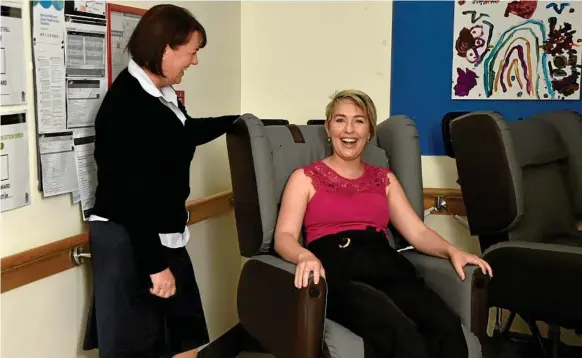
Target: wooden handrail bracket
{"points": [[453, 198], [43, 261]]}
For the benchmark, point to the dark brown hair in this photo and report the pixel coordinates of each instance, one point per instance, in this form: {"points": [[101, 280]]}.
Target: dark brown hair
{"points": [[161, 26]]}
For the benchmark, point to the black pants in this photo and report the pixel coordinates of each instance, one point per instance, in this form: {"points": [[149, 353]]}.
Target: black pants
{"points": [[373, 291]]}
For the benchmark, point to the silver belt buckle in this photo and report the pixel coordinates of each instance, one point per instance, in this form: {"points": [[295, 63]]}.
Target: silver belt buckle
{"points": [[347, 240]]}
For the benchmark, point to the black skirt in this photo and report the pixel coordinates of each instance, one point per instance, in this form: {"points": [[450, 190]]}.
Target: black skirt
{"points": [[125, 319]]}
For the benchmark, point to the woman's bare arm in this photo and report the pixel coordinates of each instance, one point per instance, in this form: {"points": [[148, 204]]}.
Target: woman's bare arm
{"points": [[291, 213]]}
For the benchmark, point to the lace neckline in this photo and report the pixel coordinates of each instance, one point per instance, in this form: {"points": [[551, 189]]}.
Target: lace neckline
{"points": [[332, 171], [373, 179]]}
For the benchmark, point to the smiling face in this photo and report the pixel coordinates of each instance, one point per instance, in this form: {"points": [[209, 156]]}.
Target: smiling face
{"points": [[165, 43], [176, 61], [349, 129]]}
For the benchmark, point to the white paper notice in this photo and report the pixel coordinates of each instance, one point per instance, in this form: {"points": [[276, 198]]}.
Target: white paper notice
{"points": [[48, 22], [86, 169], [12, 72], [84, 97], [85, 49], [122, 26], [59, 171], [48, 46], [14, 169], [90, 7], [50, 87]]}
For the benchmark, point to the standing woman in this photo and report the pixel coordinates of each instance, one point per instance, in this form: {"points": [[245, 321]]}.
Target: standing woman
{"points": [[146, 298]]}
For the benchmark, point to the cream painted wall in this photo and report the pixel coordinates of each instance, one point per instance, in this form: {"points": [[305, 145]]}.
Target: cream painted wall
{"points": [[46, 318], [296, 54]]}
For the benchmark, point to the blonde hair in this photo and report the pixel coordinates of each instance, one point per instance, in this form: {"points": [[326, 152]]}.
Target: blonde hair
{"points": [[360, 99]]}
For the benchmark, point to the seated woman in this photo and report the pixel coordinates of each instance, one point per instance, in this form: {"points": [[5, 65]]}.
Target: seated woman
{"points": [[344, 206]]}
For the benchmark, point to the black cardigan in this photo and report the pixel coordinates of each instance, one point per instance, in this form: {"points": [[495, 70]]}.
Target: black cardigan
{"points": [[143, 154]]}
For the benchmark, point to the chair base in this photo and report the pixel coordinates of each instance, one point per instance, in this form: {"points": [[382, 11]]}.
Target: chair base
{"points": [[535, 345], [530, 288], [520, 345], [231, 343], [236, 341]]}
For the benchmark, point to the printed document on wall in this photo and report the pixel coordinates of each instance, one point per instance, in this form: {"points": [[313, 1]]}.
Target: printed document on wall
{"points": [[57, 156], [84, 97], [12, 71], [14, 160], [122, 25], [94, 7], [84, 140], [85, 48], [49, 64]]}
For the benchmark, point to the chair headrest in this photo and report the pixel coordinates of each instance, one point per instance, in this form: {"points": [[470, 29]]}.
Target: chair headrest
{"points": [[568, 124], [536, 143], [499, 163]]}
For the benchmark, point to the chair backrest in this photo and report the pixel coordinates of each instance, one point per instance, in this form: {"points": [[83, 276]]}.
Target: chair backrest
{"points": [[263, 154], [520, 180]]}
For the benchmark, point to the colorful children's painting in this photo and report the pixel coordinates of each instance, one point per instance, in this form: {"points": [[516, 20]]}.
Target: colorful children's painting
{"points": [[517, 50]]}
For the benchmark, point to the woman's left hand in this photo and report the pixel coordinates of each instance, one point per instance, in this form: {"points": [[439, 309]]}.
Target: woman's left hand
{"points": [[460, 258]]}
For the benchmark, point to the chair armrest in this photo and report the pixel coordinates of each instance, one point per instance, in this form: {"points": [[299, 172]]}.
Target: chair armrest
{"points": [[273, 310], [566, 244], [466, 298]]}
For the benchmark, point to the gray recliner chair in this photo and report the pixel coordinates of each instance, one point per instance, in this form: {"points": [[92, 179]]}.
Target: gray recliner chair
{"points": [[522, 188], [290, 322]]}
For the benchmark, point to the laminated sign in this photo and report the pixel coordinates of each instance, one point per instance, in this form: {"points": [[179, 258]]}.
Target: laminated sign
{"points": [[14, 170]]}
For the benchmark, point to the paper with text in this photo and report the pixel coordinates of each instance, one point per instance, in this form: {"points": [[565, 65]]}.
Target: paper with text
{"points": [[85, 48], [49, 68], [14, 161], [84, 97], [84, 140], [122, 26], [59, 171], [12, 70]]}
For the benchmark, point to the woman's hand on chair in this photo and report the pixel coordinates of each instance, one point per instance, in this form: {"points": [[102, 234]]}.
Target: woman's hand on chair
{"points": [[307, 263], [460, 259]]}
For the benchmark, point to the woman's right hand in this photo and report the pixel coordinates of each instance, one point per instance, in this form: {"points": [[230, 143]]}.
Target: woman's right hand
{"points": [[307, 263], [163, 284]]}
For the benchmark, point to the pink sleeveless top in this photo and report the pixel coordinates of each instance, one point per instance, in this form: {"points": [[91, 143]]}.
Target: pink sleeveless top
{"points": [[341, 204]]}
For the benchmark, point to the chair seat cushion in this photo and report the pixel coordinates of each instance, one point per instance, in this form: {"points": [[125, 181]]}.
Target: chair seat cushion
{"points": [[343, 343], [543, 285]]}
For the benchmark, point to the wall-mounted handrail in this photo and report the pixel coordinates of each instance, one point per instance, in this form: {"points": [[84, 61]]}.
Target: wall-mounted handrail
{"points": [[43, 261]]}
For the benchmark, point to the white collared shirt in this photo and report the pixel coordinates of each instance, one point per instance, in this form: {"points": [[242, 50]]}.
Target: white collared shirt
{"points": [[168, 97]]}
